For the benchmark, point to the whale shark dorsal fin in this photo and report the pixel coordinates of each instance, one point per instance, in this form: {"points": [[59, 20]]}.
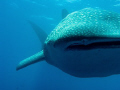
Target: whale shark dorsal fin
{"points": [[40, 33], [31, 60], [64, 13]]}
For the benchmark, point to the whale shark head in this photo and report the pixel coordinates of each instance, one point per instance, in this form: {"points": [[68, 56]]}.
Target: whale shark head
{"points": [[87, 27], [85, 43], [80, 42]]}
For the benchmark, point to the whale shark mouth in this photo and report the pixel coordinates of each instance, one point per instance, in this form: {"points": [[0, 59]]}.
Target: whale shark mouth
{"points": [[93, 45]]}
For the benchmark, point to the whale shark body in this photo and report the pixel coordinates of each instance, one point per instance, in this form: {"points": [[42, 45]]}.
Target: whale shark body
{"points": [[86, 43]]}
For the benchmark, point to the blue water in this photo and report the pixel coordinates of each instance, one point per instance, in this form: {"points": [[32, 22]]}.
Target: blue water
{"points": [[18, 41]]}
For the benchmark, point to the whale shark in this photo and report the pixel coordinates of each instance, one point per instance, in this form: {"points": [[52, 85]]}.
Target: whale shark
{"points": [[86, 43]]}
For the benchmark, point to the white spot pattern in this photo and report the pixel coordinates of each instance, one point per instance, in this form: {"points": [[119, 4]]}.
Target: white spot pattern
{"points": [[87, 22]]}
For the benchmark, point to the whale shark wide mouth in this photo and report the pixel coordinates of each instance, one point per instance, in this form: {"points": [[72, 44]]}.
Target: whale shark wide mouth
{"points": [[93, 45]]}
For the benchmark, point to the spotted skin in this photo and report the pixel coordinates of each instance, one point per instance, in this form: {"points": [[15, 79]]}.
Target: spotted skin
{"points": [[86, 43], [87, 22]]}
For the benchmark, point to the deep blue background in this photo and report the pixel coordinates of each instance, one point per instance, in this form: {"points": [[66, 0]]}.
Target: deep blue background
{"points": [[18, 41]]}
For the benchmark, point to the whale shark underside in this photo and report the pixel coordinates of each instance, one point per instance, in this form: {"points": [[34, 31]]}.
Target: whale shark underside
{"points": [[86, 43]]}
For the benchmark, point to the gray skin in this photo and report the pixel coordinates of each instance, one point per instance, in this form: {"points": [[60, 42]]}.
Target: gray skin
{"points": [[86, 43]]}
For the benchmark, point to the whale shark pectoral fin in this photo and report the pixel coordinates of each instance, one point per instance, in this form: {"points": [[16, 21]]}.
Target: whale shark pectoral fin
{"points": [[64, 13], [42, 35], [31, 60]]}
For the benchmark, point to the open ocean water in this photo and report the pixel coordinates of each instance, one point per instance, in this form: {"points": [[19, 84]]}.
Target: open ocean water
{"points": [[18, 41]]}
